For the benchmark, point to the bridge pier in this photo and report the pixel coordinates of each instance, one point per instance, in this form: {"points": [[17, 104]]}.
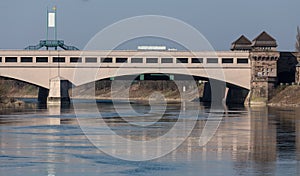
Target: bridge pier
{"points": [[219, 90], [58, 93], [42, 95], [237, 95], [206, 93], [228, 95]]}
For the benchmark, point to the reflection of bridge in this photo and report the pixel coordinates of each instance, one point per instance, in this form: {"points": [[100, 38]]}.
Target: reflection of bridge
{"points": [[45, 68], [248, 139]]}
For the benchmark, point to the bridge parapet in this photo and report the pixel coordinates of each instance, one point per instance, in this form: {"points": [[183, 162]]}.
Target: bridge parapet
{"points": [[130, 58]]}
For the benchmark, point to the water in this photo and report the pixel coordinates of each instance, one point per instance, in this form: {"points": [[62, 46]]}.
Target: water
{"points": [[249, 141]]}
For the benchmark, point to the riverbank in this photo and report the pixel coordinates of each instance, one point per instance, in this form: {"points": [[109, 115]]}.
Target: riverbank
{"points": [[138, 91], [11, 103], [6, 100], [101, 90], [288, 96]]}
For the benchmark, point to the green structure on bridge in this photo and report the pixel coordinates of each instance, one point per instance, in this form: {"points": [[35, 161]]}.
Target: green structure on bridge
{"points": [[51, 44]]}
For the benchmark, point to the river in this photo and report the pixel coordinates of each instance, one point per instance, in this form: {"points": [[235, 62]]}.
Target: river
{"points": [[53, 141]]}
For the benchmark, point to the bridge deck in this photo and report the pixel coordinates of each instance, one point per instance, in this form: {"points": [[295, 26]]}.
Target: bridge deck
{"points": [[38, 67]]}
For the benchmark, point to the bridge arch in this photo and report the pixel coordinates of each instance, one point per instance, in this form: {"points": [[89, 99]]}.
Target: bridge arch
{"points": [[239, 80], [232, 93], [26, 81]]}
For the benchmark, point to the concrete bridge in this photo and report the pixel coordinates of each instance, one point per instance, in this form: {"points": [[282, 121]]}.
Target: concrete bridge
{"points": [[47, 69]]}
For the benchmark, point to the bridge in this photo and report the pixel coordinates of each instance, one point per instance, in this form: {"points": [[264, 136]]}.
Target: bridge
{"points": [[48, 69]]}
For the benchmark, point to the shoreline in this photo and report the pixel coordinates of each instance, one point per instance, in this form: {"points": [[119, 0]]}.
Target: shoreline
{"points": [[168, 100], [285, 97], [278, 105], [11, 103]]}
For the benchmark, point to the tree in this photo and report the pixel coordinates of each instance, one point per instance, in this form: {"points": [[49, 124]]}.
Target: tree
{"points": [[3, 90], [298, 40]]}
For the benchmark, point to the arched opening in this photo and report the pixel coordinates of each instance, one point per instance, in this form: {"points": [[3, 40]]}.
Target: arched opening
{"points": [[18, 88], [142, 87]]}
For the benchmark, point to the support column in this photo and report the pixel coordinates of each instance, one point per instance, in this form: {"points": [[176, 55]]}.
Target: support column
{"points": [[259, 93], [42, 95], [217, 93], [237, 95], [206, 93], [58, 93]]}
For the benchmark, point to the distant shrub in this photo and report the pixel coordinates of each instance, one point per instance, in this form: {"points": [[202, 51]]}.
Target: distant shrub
{"points": [[3, 90]]}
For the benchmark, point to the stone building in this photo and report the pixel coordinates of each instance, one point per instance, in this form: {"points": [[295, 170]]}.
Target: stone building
{"points": [[264, 57]]}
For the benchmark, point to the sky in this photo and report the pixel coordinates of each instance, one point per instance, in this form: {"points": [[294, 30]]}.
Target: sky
{"points": [[23, 22]]}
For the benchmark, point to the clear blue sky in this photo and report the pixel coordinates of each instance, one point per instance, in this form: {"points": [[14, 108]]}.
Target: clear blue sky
{"points": [[23, 22]]}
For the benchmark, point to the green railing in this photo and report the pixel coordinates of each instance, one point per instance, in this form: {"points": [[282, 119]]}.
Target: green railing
{"points": [[51, 44]]}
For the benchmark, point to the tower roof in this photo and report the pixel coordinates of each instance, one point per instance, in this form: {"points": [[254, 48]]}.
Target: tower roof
{"points": [[264, 40], [242, 40], [242, 43]]}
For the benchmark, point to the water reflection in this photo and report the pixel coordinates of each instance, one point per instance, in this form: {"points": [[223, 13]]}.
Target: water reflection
{"points": [[249, 141], [263, 141]]}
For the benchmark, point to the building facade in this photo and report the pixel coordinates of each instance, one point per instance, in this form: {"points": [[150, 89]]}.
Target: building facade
{"points": [[264, 57]]}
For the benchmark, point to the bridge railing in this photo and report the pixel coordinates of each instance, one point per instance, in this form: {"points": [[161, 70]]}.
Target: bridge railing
{"points": [[225, 62]]}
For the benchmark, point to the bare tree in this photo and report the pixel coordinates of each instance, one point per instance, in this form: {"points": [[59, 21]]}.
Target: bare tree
{"points": [[298, 40]]}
